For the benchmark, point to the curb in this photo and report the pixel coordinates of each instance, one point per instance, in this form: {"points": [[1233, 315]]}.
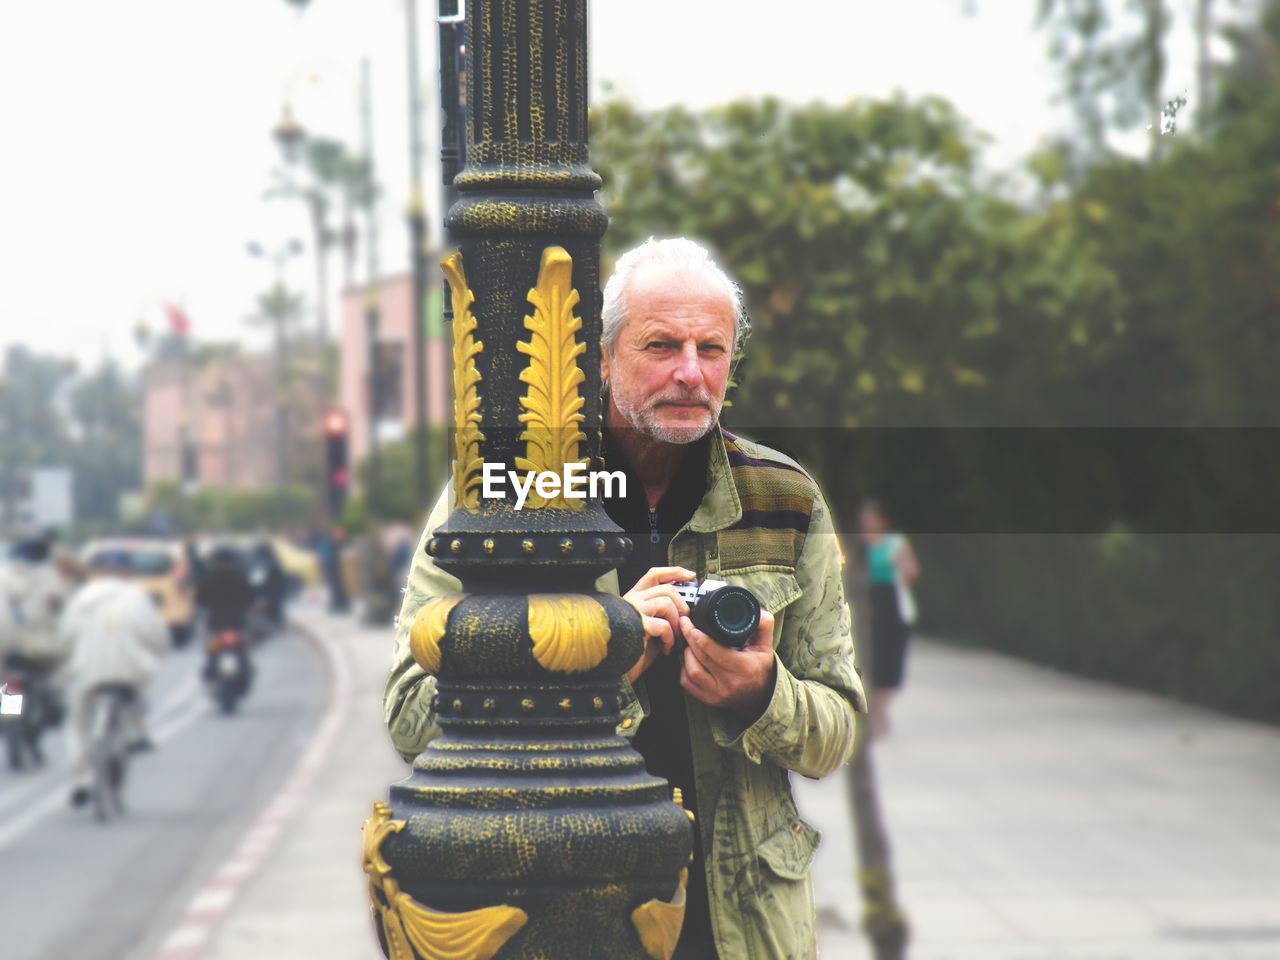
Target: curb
{"points": [[209, 907]]}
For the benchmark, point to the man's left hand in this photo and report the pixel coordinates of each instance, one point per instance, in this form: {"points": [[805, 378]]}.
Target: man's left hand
{"points": [[739, 680]]}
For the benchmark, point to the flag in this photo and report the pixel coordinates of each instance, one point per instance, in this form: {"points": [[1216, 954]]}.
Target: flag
{"points": [[179, 322]]}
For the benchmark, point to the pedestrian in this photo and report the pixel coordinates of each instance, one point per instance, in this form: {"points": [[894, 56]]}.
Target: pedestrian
{"points": [[892, 572], [116, 637], [329, 547], [723, 725]]}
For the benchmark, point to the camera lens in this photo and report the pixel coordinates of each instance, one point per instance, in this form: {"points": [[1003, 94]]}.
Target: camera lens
{"points": [[733, 614]]}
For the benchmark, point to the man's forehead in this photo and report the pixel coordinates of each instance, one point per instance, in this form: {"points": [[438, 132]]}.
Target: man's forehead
{"points": [[659, 279], [678, 297]]}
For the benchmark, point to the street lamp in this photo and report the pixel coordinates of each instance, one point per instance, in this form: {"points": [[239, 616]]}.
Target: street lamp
{"points": [[289, 134], [418, 261], [278, 256]]}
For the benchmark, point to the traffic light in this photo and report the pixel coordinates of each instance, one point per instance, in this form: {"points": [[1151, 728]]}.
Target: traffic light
{"points": [[337, 470]]}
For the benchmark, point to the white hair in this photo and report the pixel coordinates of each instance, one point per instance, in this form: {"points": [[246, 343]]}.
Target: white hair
{"points": [[678, 254]]}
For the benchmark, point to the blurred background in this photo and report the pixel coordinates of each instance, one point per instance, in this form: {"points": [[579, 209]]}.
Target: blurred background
{"points": [[1013, 270]]}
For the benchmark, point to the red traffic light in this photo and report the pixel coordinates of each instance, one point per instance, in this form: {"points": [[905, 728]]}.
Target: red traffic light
{"points": [[340, 479], [335, 423]]}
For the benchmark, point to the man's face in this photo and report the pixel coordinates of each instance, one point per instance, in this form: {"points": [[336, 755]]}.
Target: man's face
{"points": [[669, 367]]}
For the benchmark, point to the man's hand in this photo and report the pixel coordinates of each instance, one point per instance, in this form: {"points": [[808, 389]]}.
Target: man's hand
{"points": [[740, 680], [660, 608]]}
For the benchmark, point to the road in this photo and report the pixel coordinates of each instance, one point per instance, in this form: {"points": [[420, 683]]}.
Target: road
{"points": [[74, 888]]}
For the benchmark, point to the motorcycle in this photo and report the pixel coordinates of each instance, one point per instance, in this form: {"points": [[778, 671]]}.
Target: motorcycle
{"points": [[21, 718], [228, 671]]}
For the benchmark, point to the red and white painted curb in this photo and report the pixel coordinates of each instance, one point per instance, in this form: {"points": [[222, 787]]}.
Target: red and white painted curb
{"points": [[211, 904]]}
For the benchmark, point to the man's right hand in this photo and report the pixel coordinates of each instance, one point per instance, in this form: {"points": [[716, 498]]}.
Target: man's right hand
{"points": [[660, 608]]}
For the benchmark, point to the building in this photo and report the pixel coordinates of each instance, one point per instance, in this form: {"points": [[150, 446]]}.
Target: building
{"points": [[211, 420], [395, 378]]}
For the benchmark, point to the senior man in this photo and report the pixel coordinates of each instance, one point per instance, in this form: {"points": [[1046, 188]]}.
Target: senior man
{"points": [[726, 726]]}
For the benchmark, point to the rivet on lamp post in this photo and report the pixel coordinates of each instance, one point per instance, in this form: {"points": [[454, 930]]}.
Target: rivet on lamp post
{"points": [[529, 828]]}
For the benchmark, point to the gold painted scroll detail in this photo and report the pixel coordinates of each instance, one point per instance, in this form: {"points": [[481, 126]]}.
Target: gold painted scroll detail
{"points": [[553, 403], [428, 628], [659, 923], [414, 932], [570, 632], [467, 462]]}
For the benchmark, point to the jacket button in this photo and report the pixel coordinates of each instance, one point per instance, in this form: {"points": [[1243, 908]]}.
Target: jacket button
{"points": [[626, 724], [797, 828]]}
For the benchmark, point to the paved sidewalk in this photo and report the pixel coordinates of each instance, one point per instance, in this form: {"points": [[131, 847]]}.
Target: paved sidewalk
{"points": [[1033, 816], [309, 900], [1038, 815]]}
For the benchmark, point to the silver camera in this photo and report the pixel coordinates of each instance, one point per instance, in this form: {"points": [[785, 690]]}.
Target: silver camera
{"points": [[726, 613]]}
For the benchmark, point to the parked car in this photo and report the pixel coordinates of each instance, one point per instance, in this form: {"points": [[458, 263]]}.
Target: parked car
{"points": [[160, 568]]}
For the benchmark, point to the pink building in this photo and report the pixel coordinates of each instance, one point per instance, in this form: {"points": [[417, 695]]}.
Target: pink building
{"points": [[224, 407], [396, 367]]}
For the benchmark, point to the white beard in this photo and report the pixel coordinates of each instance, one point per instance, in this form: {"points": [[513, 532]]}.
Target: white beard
{"points": [[644, 421]]}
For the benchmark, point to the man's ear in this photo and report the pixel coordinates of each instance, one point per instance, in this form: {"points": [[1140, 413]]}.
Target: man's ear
{"points": [[604, 363]]}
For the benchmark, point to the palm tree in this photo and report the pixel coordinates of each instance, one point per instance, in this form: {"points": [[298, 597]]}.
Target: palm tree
{"points": [[281, 308], [358, 192], [325, 163]]}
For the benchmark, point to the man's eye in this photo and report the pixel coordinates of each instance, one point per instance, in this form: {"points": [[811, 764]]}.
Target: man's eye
{"points": [[711, 348], [659, 345]]}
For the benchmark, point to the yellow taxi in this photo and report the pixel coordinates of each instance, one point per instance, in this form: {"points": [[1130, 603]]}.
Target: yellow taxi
{"points": [[159, 567]]}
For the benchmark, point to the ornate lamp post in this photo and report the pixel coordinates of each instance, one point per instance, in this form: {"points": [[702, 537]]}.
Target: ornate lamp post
{"points": [[418, 261], [529, 828]]}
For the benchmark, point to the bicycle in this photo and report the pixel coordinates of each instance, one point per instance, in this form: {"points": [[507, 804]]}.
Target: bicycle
{"points": [[108, 749]]}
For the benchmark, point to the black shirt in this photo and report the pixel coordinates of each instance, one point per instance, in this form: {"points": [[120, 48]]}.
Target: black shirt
{"points": [[663, 737]]}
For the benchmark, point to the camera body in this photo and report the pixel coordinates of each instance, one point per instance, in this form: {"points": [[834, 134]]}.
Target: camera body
{"points": [[726, 613]]}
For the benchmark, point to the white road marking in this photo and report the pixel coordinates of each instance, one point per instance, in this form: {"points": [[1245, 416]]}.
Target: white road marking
{"points": [[57, 797]]}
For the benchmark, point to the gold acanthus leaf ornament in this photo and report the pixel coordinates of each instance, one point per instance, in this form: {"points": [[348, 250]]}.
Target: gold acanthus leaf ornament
{"points": [[659, 923], [553, 403], [411, 931], [467, 462], [428, 628], [570, 632]]}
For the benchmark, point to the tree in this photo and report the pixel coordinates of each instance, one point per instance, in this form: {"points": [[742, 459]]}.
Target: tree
{"points": [[888, 284], [33, 430], [106, 408], [281, 309], [328, 168]]}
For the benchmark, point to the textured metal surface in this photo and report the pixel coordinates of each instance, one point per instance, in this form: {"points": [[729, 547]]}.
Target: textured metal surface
{"points": [[529, 804]]}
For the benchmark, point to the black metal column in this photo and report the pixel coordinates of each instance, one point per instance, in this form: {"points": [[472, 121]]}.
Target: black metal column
{"points": [[529, 828]]}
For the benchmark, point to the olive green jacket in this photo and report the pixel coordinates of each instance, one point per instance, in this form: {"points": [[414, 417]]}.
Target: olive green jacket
{"points": [[757, 847]]}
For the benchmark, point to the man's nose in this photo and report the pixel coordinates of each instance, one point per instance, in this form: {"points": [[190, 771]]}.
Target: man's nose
{"points": [[688, 371]]}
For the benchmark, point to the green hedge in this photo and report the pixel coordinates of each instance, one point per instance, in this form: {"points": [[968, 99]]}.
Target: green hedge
{"points": [[1190, 616]]}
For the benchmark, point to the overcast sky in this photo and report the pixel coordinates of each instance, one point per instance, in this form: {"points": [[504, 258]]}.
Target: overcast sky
{"points": [[136, 132]]}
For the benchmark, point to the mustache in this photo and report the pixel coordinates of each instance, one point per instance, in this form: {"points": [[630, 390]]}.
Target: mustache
{"points": [[696, 398]]}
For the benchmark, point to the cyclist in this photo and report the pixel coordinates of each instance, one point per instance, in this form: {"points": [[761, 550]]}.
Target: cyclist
{"points": [[117, 638]]}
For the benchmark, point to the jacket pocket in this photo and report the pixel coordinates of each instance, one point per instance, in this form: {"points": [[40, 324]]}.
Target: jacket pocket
{"points": [[783, 918], [790, 850], [774, 587]]}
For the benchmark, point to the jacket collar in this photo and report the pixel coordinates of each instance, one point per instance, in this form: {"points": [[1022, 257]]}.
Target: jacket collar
{"points": [[720, 508]]}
